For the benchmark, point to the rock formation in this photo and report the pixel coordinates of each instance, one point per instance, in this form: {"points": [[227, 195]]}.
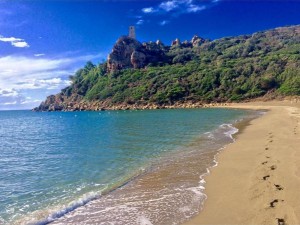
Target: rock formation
{"points": [[138, 59], [176, 42], [130, 53], [197, 41], [158, 42], [120, 57]]}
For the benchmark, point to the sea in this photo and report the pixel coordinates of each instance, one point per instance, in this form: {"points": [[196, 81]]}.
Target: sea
{"points": [[109, 167]]}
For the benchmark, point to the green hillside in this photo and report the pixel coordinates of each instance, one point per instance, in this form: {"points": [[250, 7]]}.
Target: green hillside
{"points": [[227, 69]]}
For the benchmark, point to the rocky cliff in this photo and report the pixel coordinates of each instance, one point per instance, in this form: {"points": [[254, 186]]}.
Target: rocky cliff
{"points": [[130, 53]]}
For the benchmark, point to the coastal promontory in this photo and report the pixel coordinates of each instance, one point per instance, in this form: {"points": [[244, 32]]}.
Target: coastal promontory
{"points": [[186, 73]]}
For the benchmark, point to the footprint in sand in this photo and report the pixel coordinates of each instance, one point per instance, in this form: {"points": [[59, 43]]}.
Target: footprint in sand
{"points": [[278, 187], [272, 203], [263, 163], [273, 167], [271, 141], [267, 157], [281, 221], [266, 177], [266, 148]]}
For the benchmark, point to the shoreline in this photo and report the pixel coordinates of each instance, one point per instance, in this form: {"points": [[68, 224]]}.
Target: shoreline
{"points": [[183, 165], [205, 179], [167, 172], [55, 104], [257, 176]]}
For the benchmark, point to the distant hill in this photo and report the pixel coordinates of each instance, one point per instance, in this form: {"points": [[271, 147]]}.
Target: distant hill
{"points": [[152, 75]]}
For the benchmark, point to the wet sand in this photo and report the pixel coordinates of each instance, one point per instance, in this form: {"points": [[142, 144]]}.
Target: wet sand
{"points": [[257, 179]]}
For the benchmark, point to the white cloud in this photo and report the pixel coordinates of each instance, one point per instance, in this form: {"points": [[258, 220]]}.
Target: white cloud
{"points": [[9, 97], [30, 101], [174, 8], [23, 77], [140, 22], [28, 67], [148, 10], [38, 55], [169, 5], [178, 7], [16, 42], [195, 8], [164, 22], [38, 68], [10, 39], [49, 84], [20, 44], [10, 103], [8, 93]]}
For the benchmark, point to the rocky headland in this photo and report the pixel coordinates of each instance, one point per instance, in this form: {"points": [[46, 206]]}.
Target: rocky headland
{"points": [[188, 74]]}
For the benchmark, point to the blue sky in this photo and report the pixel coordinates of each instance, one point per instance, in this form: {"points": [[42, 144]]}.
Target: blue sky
{"points": [[43, 42]]}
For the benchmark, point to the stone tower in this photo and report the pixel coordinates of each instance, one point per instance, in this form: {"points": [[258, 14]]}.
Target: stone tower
{"points": [[132, 32]]}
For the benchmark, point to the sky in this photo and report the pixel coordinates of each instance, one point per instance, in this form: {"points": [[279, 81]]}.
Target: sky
{"points": [[43, 42]]}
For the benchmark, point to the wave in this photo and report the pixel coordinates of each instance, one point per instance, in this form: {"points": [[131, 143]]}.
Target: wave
{"points": [[224, 129], [69, 208], [83, 200]]}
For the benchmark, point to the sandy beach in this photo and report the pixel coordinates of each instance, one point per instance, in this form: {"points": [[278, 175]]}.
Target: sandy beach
{"points": [[257, 179]]}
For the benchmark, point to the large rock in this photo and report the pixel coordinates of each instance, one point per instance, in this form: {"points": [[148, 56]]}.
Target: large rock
{"points": [[130, 53], [120, 57], [197, 41], [138, 59], [176, 42]]}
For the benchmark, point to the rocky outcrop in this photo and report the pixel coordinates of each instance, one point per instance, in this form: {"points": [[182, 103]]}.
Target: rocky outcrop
{"points": [[60, 102], [52, 103], [120, 57], [130, 53], [138, 59], [176, 42], [197, 41], [158, 42]]}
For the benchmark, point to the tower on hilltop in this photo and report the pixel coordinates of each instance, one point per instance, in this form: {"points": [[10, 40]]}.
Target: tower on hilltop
{"points": [[132, 32]]}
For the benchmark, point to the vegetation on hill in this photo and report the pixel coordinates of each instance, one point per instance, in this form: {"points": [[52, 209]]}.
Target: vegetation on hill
{"points": [[227, 69]]}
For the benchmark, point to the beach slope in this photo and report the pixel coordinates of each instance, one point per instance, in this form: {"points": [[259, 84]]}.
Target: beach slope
{"points": [[258, 177]]}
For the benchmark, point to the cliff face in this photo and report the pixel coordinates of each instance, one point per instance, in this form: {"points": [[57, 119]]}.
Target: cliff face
{"points": [[120, 57], [130, 53]]}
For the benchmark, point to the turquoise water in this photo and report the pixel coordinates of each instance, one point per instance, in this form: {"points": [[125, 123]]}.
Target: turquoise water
{"points": [[48, 161]]}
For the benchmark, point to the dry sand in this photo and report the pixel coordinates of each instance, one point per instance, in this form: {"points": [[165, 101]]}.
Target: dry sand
{"points": [[257, 180]]}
